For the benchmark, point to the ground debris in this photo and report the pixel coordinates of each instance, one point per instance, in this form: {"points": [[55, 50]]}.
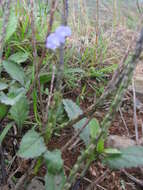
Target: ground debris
{"points": [[36, 184], [116, 141]]}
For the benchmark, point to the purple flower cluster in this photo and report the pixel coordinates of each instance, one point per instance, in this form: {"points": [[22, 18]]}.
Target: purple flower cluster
{"points": [[54, 40]]}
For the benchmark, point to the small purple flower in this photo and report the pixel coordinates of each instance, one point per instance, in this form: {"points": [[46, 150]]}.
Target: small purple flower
{"points": [[52, 41], [55, 39], [62, 32]]}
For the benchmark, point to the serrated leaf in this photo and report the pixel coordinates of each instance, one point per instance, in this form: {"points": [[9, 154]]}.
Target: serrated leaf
{"points": [[3, 86], [54, 161], [129, 157], [10, 99], [12, 25], [85, 135], [3, 110], [32, 145], [15, 71], [94, 128], [73, 111], [20, 110], [5, 131], [54, 182], [19, 57]]}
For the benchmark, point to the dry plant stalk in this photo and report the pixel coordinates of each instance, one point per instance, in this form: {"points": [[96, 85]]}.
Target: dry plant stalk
{"points": [[61, 62], [53, 9], [50, 97], [97, 23], [35, 56], [4, 26]]}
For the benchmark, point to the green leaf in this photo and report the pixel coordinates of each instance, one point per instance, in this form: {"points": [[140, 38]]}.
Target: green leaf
{"points": [[3, 110], [73, 71], [54, 161], [20, 110], [19, 57], [35, 106], [32, 145], [54, 182], [85, 133], [15, 71], [3, 86], [10, 99], [73, 111], [5, 131], [45, 78], [12, 25], [94, 128], [0, 69], [129, 157]]}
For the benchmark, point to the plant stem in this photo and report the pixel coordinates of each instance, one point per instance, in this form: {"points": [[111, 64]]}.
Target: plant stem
{"points": [[60, 69]]}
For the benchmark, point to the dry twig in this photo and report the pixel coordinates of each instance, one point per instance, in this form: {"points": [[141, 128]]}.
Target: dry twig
{"points": [[135, 112], [139, 182], [50, 95]]}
